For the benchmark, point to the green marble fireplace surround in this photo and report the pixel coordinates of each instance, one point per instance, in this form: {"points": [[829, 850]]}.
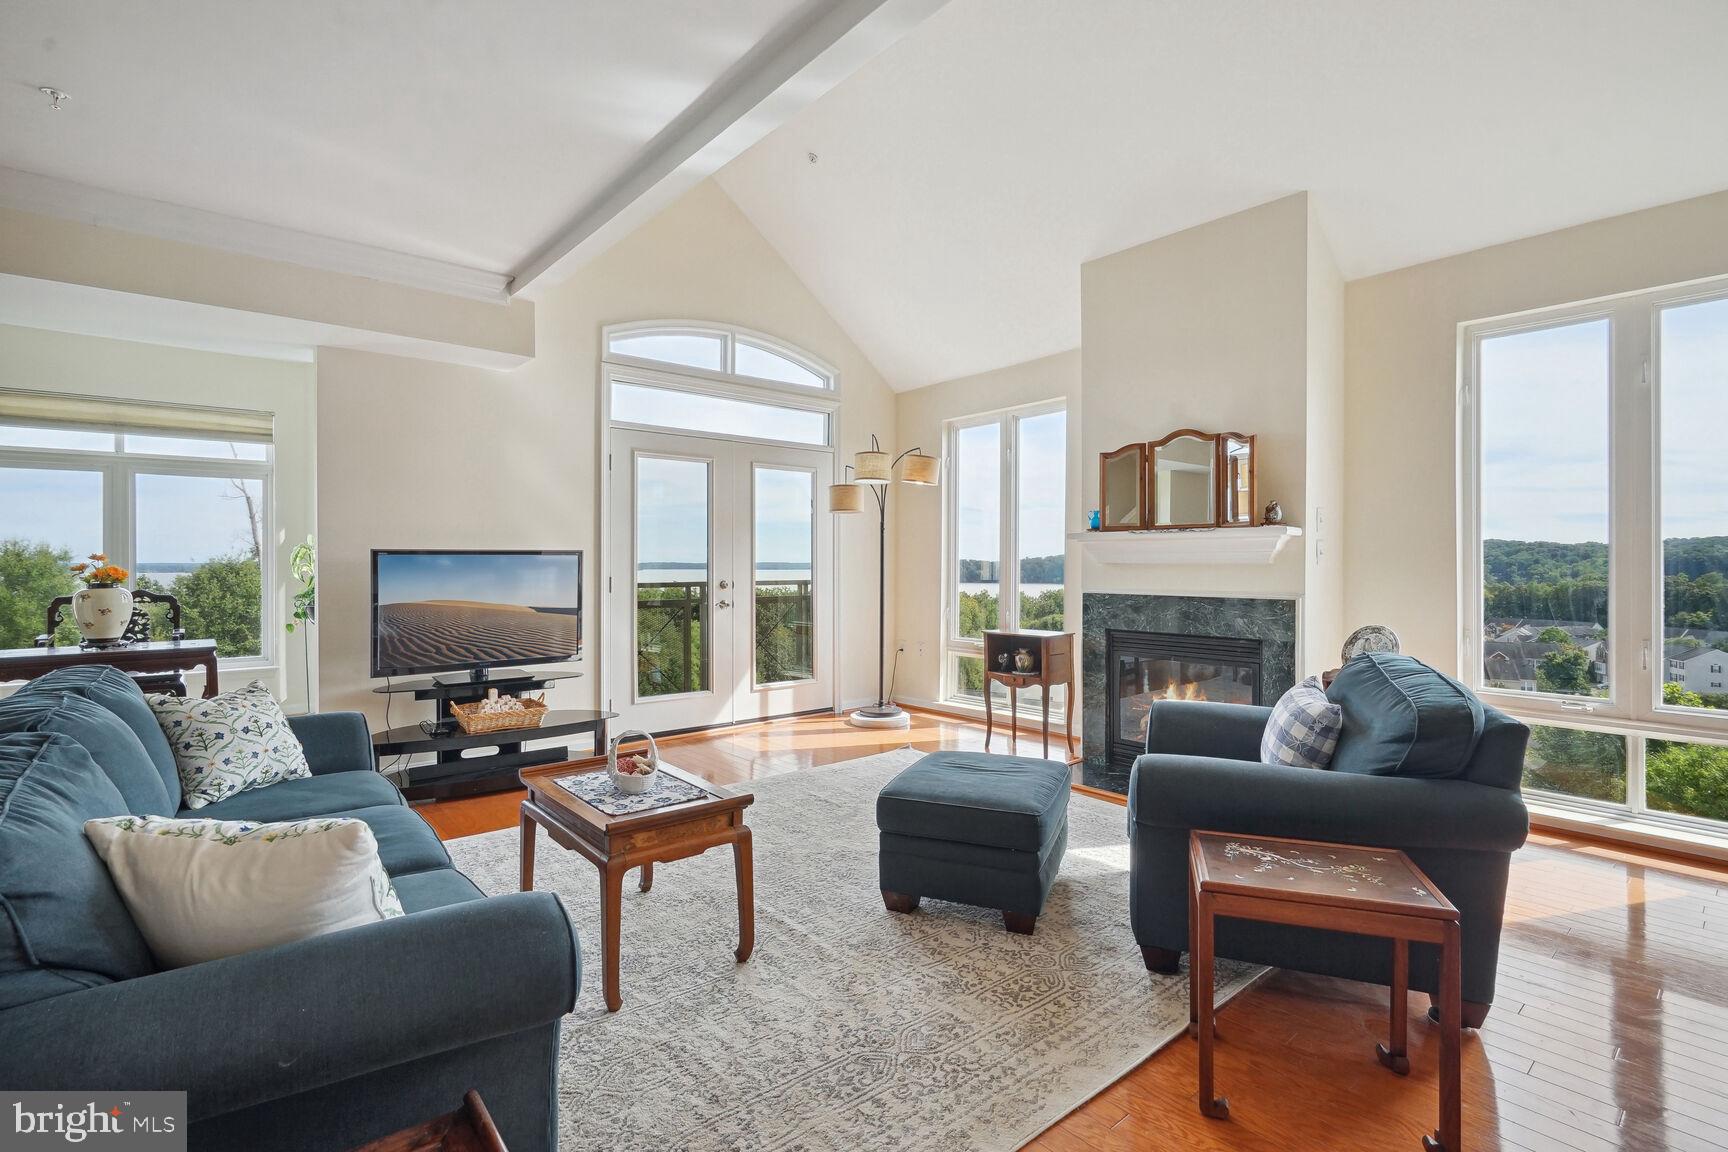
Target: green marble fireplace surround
{"points": [[1270, 622]]}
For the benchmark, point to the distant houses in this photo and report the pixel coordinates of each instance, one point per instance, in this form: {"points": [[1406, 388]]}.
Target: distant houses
{"points": [[1513, 650], [1696, 668]]}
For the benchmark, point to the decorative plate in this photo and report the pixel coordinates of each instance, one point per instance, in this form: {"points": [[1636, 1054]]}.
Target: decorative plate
{"points": [[1369, 638]]}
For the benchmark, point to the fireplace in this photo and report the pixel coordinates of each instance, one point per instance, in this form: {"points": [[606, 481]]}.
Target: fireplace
{"points": [[1182, 637], [1144, 667]]}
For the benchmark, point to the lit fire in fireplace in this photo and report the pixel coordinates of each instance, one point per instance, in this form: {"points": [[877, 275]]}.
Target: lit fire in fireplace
{"points": [[1188, 691]]}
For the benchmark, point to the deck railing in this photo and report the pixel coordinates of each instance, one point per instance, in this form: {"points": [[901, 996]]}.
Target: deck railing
{"points": [[672, 637]]}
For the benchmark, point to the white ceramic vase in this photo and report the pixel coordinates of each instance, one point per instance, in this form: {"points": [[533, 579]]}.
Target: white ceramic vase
{"points": [[102, 612]]}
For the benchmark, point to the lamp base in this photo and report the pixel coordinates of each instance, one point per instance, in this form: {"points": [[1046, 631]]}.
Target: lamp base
{"points": [[880, 716]]}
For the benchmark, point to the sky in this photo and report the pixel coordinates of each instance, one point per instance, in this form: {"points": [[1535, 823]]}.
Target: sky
{"points": [[1545, 429], [180, 518], [673, 514], [540, 581]]}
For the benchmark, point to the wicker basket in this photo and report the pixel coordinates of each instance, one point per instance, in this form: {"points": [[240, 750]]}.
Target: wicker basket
{"points": [[473, 721]]}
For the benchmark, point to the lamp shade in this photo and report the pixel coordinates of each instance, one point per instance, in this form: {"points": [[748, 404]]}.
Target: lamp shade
{"points": [[871, 467], [920, 469], [844, 498]]}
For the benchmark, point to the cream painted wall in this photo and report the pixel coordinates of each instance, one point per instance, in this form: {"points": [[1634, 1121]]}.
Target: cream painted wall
{"points": [[917, 515], [421, 455], [1401, 369], [1207, 329], [91, 366]]}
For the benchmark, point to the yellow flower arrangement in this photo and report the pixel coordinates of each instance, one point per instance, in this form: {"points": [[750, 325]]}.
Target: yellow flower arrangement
{"points": [[98, 573]]}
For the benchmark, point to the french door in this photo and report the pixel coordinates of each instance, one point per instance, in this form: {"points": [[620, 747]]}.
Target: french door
{"points": [[720, 581]]}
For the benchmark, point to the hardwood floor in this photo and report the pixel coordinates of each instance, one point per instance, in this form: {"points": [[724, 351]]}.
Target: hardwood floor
{"points": [[1610, 1030]]}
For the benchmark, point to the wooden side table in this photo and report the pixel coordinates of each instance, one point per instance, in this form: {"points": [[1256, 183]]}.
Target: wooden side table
{"points": [[616, 844], [1369, 891], [1051, 657]]}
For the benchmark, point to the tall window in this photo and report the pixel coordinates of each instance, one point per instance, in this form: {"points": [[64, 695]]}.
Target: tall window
{"points": [[1596, 504], [185, 510], [1007, 509]]}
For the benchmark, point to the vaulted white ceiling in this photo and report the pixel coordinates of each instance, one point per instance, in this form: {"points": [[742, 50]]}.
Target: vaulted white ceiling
{"points": [[489, 137], [964, 175]]}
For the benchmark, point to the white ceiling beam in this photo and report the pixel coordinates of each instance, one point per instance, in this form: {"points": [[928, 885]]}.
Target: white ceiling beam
{"points": [[66, 200], [780, 76]]}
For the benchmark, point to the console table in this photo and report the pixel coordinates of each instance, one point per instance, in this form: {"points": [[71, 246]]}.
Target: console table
{"points": [[152, 656], [1051, 656]]}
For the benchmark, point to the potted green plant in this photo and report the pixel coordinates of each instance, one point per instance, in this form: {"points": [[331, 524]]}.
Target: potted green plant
{"points": [[303, 566]]}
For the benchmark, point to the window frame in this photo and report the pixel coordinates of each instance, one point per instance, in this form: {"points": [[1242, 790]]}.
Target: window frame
{"points": [[119, 470], [1636, 594], [729, 335], [955, 645], [745, 390]]}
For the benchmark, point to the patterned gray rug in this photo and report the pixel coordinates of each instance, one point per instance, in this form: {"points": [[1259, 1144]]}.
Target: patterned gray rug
{"points": [[851, 1028]]}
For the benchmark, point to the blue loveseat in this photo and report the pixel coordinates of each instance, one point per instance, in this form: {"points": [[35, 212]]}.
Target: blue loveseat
{"points": [[1455, 808], [320, 1044]]}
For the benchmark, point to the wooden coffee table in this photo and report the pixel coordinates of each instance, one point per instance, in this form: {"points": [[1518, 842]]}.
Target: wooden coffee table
{"points": [[616, 844], [1369, 891]]}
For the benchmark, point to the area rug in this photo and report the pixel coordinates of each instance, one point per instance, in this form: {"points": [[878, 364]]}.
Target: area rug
{"points": [[851, 1028]]}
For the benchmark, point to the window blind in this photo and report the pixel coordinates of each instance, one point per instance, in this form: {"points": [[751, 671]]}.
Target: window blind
{"points": [[60, 410]]}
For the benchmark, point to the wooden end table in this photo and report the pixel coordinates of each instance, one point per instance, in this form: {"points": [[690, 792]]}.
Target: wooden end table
{"points": [[1052, 656], [1369, 891], [616, 844]]}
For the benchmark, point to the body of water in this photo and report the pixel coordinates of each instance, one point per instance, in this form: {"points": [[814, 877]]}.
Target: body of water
{"points": [[699, 575], [996, 589]]}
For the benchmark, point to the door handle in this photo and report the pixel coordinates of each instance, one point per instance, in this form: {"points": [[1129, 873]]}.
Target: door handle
{"points": [[722, 603]]}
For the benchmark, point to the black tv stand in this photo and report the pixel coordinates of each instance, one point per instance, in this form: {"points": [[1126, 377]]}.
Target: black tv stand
{"points": [[452, 773]]}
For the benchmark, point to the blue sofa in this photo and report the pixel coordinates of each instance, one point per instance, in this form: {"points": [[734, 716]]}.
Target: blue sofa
{"points": [[1202, 770], [320, 1044]]}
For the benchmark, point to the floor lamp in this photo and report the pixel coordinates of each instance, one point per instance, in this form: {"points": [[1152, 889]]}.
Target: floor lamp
{"points": [[874, 470]]}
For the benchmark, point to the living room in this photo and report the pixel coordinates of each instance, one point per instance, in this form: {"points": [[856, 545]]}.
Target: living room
{"points": [[748, 576]]}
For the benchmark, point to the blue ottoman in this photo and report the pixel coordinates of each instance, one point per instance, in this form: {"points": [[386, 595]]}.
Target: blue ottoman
{"points": [[975, 829]]}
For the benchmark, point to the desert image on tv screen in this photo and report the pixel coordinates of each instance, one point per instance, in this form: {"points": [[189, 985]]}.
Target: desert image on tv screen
{"points": [[440, 610]]}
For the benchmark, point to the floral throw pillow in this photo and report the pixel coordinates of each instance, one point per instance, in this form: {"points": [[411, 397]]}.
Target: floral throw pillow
{"points": [[229, 743], [204, 889]]}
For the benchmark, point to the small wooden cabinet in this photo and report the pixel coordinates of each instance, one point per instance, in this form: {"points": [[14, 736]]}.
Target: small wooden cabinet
{"points": [[1019, 660]]}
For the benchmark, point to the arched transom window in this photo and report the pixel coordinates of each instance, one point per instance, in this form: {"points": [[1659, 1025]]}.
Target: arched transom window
{"points": [[718, 380], [719, 349]]}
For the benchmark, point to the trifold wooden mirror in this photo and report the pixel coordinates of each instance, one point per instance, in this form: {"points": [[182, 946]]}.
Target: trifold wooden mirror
{"points": [[1189, 479]]}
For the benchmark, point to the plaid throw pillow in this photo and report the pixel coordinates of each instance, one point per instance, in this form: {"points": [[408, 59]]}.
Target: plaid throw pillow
{"points": [[1303, 730]]}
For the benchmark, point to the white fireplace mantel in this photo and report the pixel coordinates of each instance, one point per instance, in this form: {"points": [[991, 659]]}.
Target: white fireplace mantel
{"points": [[1188, 545]]}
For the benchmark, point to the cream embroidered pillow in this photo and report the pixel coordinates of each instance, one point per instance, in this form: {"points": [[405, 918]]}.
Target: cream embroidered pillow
{"points": [[203, 889], [229, 743]]}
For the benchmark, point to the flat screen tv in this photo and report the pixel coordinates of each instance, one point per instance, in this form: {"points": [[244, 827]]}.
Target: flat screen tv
{"points": [[472, 611]]}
